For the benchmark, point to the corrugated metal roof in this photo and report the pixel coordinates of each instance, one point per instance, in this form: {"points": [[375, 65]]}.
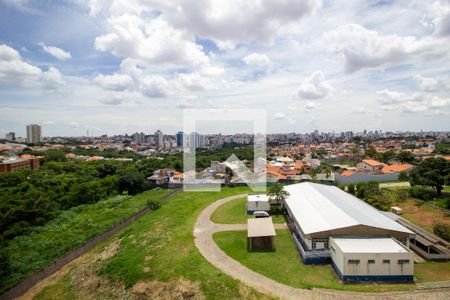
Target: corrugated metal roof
{"points": [[369, 245], [318, 207]]}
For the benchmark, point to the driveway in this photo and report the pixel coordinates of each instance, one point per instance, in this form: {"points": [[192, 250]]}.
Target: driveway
{"points": [[204, 229]]}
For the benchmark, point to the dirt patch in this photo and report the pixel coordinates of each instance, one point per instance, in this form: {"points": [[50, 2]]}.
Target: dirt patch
{"points": [[146, 269], [174, 289], [86, 279], [148, 257], [423, 215]]}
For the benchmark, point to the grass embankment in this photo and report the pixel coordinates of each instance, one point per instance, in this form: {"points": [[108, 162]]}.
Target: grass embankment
{"points": [[233, 212], [29, 253], [156, 254], [285, 266]]}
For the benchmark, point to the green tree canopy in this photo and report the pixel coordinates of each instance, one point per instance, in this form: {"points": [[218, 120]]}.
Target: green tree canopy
{"points": [[433, 172]]}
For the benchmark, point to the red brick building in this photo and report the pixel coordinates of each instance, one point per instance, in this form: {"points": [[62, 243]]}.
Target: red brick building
{"points": [[19, 164]]}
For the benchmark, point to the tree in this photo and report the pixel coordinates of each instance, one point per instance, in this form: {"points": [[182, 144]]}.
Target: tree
{"points": [[370, 152], [442, 230], [131, 181], [434, 172], [387, 156], [403, 176], [277, 193], [406, 157], [54, 155]]}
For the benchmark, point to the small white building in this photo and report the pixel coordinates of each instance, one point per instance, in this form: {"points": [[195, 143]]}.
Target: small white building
{"points": [[257, 202], [371, 259]]}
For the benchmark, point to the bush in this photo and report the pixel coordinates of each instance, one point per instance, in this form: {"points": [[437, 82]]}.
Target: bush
{"points": [[442, 230], [421, 193], [153, 204], [351, 188]]}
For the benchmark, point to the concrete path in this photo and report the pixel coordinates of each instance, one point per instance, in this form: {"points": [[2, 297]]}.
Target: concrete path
{"points": [[204, 229], [394, 184]]}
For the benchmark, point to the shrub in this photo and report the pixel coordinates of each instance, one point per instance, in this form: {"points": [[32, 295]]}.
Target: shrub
{"points": [[153, 204], [442, 230], [421, 193], [351, 188]]}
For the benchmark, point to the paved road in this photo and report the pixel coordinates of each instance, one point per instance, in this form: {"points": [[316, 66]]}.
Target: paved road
{"points": [[204, 229]]}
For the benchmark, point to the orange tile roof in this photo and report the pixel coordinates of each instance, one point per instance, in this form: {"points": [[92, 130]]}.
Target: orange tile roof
{"points": [[396, 168], [372, 162], [298, 165], [347, 173]]}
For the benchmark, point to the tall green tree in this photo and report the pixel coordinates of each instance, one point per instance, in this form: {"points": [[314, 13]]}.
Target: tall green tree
{"points": [[277, 193], [406, 157], [433, 172], [131, 181]]}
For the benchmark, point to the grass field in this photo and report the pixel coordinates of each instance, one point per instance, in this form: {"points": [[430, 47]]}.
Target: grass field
{"points": [[285, 265], [423, 215], [156, 254], [233, 212], [29, 253]]}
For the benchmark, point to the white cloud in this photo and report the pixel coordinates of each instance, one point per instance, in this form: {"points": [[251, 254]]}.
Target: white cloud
{"points": [[114, 82], [255, 59], [56, 52], [132, 78], [206, 78], [279, 116], [314, 87], [431, 84], [310, 106], [154, 86], [15, 71], [363, 48], [412, 103], [228, 22], [150, 42]]}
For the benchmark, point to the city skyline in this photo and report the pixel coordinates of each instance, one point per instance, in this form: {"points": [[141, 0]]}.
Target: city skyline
{"points": [[116, 67]]}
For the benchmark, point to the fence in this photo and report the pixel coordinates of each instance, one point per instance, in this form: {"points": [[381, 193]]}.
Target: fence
{"points": [[57, 264]]}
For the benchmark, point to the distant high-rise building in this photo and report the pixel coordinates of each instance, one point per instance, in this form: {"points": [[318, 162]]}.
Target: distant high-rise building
{"points": [[138, 138], [196, 140], [10, 136], [34, 133], [180, 139], [159, 138]]}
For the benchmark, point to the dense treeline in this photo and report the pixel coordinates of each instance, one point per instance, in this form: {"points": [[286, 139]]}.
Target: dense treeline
{"points": [[33, 197]]}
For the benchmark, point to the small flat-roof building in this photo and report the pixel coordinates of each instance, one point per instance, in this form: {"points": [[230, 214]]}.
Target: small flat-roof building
{"points": [[371, 259], [257, 202], [260, 234]]}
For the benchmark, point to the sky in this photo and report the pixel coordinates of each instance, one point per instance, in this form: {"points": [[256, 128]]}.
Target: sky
{"points": [[121, 66]]}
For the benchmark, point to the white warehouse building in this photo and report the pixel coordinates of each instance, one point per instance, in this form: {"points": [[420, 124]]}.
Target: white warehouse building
{"points": [[319, 214]]}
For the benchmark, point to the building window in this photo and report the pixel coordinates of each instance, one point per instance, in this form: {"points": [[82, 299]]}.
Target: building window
{"points": [[386, 261], [353, 261], [403, 261], [371, 261]]}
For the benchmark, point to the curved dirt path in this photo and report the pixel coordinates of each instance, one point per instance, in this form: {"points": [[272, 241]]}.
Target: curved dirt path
{"points": [[203, 235]]}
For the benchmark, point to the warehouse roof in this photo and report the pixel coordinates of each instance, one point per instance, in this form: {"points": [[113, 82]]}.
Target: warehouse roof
{"points": [[260, 227], [318, 207], [369, 245]]}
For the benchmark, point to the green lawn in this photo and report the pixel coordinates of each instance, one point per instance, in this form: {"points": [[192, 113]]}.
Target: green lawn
{"points": [[29, 253], [233, 212], [285, 265], [157, 248]]}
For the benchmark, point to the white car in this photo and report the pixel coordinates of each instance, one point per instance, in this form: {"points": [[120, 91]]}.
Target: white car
{"points": [[261, 214]]}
